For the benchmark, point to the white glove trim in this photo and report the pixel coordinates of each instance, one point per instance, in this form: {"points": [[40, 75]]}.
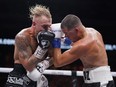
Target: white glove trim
{"points": [[39, 53], [43, 65], [34, 75]]}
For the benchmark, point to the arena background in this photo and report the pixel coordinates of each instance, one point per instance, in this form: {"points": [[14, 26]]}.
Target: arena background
{"points": [[14, 16]]}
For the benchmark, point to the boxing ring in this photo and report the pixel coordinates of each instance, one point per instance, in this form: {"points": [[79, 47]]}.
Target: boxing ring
{"points": [[65, 44], [49, 72], [71, 73], [53, 72]]}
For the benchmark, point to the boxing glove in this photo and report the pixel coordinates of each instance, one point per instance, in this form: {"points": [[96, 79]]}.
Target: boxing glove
{"points": [[56, 43], [43, 65], [67, 41], [35, 75], [44, 39]]}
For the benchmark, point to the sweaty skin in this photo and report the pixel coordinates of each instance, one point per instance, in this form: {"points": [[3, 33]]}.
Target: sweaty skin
{"points": [[26, 43], [87, 46], [24, 48]]}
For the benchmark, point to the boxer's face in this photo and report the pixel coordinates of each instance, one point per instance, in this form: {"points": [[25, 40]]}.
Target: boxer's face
{"points": [[71, 34], [41, 23]]}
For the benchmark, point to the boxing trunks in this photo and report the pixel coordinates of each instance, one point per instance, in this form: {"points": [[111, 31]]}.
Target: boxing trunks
{"points": [[98, 77], [18, 78]]}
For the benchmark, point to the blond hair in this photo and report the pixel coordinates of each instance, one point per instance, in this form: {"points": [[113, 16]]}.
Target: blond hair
{"points": [[39, 10]]}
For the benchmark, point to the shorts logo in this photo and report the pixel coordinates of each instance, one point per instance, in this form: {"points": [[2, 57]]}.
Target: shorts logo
{"points": [[15, 80], [26, 80], [86, 75]]}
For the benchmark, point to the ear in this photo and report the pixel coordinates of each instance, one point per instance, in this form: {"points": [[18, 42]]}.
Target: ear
{"points": [[76, 29]]}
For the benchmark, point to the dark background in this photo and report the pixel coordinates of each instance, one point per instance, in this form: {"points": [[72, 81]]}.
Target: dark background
{"points": [[14, 16]]}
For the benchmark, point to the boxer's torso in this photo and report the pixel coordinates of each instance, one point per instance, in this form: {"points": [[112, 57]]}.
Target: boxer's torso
{"points": [[94, 55]]}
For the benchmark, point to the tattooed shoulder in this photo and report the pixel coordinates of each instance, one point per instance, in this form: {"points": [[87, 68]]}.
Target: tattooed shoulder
{"points": [[21, 42]]}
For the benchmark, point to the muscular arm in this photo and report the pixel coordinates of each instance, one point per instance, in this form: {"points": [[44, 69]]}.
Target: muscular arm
{"points": [[69, 56], [61, 59], [25, 53]]}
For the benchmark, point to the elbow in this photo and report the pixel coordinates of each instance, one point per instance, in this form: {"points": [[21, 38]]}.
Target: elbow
{"points": [[28, 68], [57, 64], [27, 65]]}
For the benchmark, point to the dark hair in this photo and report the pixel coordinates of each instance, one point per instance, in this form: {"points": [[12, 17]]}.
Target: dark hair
{"points": [[70, 21]]}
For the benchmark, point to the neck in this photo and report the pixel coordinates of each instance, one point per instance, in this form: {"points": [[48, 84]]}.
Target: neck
{"points": [[32, 32], [81, 31]]}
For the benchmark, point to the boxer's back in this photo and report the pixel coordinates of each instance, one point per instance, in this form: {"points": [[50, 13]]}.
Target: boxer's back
{"points": [[96, 54]]}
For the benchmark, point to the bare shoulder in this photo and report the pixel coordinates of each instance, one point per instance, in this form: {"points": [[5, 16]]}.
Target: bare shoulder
{"points": [[94, 34], [22, 38], [93, 30], [23, 32]]}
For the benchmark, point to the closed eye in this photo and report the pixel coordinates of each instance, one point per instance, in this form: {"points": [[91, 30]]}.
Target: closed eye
{"points": [[45, 26]]}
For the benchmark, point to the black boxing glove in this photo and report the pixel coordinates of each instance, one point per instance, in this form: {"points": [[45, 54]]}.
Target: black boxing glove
{"points": [[45, 38]]}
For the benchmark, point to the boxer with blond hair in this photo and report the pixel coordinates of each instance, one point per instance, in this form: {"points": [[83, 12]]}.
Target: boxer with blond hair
{"points": [[31, 51]]}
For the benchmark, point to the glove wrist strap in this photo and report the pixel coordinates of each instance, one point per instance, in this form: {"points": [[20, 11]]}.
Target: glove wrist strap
{"points": [[43, 65], [39, 53], [56, 43]]}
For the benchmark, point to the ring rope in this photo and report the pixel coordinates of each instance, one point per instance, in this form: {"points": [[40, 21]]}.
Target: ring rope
{"points": [[53, 72]]}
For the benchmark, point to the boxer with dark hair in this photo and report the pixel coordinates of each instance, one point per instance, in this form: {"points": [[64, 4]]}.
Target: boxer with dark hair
{"points": [[88, 46], [32, 46]]}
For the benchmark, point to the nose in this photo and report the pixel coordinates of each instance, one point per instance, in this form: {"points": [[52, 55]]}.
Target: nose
{"points": [[46, 27]]}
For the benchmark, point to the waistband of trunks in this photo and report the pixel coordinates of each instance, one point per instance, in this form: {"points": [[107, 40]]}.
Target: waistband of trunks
{"points": [[97, 74]]}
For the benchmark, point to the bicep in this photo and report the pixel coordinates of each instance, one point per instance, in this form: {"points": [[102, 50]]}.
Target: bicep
{"points": [[72, 55], [65, 58], [69, 57], [23, 48]]}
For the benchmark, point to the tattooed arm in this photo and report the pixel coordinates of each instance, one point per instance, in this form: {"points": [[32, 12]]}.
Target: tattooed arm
{"points": [[24, 52]]}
